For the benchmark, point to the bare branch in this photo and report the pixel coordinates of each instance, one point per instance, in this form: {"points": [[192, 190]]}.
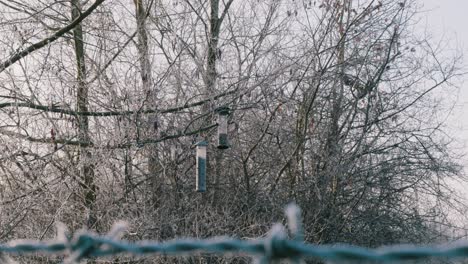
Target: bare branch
{"points": [[38, 45]]}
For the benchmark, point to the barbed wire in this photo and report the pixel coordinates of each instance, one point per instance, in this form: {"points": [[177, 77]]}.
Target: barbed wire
{"points": [[275, 246]]}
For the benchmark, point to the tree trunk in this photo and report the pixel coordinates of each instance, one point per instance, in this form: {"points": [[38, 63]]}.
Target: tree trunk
{"points": [[141, 13], [87, 166], [210, 81]]}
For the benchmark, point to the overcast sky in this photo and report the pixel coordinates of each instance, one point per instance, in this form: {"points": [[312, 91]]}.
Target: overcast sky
{"points": [[448, 19]]}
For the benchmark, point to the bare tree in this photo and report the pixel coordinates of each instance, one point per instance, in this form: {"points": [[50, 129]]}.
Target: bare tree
{"points": [[332, 106], [86, 159]]}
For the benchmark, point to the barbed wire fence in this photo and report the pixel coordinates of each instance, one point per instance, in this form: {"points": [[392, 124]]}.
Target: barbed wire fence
{"points": [[277, 245]]}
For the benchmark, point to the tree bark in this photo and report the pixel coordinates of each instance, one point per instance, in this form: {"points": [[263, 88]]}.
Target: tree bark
{"points": [[87, 166], [141, 13]]}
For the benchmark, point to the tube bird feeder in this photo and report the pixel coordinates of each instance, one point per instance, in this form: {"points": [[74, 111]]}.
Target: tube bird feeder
{"points": [[201, 166], [223, 141]]}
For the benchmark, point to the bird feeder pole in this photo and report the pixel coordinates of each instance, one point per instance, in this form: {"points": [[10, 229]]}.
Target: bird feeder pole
{"points": [[201, 166], [223, 141]]}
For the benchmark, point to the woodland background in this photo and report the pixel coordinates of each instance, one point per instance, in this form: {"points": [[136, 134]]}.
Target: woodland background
{"points": [[337, 105]]}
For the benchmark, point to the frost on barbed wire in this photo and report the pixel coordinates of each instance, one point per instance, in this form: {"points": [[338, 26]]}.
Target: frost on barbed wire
{"points": [[276, 246]]}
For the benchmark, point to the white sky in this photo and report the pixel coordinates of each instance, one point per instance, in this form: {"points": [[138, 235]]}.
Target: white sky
{"points": [[448, 19]]}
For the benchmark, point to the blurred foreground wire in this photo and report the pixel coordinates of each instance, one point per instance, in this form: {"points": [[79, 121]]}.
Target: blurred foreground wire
{"points": [[275, 246]]}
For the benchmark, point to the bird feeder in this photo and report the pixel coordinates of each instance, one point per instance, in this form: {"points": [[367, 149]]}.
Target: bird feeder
{"points": [[201, 166], [173, 152], [223, 113]]}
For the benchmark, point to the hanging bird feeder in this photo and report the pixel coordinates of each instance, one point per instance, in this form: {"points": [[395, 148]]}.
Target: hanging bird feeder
{"points": [[201, 166], [223, 141]]}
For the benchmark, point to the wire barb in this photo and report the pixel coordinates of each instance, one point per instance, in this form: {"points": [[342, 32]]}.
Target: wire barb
{"points": [[275, 246]]}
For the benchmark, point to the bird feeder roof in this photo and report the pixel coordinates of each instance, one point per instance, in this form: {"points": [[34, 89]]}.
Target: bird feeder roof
{"points": [[222, 110], [202, 144]]}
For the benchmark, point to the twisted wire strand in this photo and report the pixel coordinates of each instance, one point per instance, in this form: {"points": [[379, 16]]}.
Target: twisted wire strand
{"points": [[98, 246], [275, 246]]}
